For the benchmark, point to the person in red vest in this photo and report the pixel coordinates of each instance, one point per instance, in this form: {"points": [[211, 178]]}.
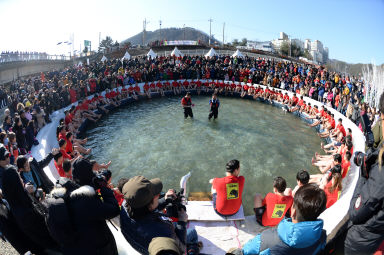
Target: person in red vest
{"points": [[227, 191], [272, 209], [186, 102]]}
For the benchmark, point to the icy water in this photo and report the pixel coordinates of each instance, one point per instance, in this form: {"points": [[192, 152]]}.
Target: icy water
{"points": [[151, 138]]}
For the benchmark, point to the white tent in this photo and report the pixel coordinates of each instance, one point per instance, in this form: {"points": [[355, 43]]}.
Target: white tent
{"points": [[104, 58], [127, 56], [176, 53], [238, 54], [80, 64], [151, 54], [211, 53]]}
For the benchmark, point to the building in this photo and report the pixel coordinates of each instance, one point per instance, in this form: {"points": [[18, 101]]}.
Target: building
{"points": [[315, 48], [298, 43], [283, 36], [307, 44], [264, 46]]}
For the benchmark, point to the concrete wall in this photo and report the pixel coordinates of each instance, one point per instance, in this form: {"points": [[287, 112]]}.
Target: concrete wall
{"points": [[14, 70]]}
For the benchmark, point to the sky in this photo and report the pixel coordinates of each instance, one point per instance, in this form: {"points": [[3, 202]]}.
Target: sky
{"points": [[353, 30]]}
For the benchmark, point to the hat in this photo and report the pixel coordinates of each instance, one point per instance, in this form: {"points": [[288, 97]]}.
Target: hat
{"points": [[82, 172], [234, 251], [4, 153], [139, 191], [159, 244]]}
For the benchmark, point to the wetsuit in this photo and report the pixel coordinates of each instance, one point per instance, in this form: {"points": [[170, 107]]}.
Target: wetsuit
{"points": [[187, 103], [215, 104]]}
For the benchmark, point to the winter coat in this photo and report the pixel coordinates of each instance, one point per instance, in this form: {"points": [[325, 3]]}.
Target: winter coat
{"points": [[13, 234], [140, 232], [89, 213], [366, 214], [307, 237], [29, 214]]}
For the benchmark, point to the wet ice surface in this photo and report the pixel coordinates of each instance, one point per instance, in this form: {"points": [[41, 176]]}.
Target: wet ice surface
{"points": [[151, 138]]}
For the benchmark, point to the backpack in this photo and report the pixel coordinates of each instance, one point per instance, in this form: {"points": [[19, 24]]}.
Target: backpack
{"points": [[58, 217]]}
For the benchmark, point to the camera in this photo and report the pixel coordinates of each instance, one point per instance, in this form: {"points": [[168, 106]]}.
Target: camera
{"points": [[366, 160], [101, 179], [173, 206], [39, 194]]}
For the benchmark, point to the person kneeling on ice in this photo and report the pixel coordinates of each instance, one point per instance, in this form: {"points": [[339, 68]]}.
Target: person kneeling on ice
{"points": [[227, 191], [303, 234]]}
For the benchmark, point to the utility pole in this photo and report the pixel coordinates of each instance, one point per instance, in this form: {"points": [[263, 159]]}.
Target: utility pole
{"points": [[145, 22], [210, 23], [160, 30], [184, 31], [99, 39], [223, 32]]}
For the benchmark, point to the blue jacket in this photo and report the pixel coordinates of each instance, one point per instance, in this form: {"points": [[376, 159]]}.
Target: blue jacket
{"points": [[305, 238]]}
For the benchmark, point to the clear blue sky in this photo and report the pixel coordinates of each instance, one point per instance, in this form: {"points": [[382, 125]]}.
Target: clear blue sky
{"points": [[353, 30]]}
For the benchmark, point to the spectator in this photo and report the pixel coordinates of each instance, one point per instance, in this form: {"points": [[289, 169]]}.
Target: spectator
{"points": [[4, 161], [364, 234], [303, 234], [33, 171], [27, 211], [140, 221], [89, 212], [332, 188], [302, 178], [272, 209], [227, 191], [163, 246], [11, 231]]}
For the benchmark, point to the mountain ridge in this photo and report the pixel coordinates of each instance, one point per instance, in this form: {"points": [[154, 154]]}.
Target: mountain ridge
{"points": [[171, 34]]}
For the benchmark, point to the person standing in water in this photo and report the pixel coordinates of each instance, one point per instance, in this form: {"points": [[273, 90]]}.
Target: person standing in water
{"points": [[214, 103], [186, 102]]}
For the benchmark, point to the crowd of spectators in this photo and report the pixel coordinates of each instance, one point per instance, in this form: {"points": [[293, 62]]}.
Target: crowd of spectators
{"points": [[30, 102], [10, 56]]}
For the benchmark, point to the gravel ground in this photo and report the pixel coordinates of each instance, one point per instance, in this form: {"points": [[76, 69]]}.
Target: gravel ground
{"points": [[7, 249]]}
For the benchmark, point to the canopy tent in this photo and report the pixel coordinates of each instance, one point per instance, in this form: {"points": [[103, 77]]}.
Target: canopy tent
{"points": [[176, 53], [126, 56], [238, 54], [151, 54], [211, 53], [104, 58]]}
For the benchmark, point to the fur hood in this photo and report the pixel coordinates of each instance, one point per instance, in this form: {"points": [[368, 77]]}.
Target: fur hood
{"points": [[58, 192], [85, 190]]}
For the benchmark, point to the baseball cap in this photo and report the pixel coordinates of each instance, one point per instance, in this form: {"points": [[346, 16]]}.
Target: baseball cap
{"points": [[139, 191], [4, 153], [159, 244]]}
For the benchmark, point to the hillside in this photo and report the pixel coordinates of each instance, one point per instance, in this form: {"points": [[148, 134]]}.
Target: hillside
{"points": [[344, 67], [171, 34]]}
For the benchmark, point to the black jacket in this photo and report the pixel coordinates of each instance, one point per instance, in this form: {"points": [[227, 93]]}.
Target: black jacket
{"points": [[89, 213], [13, 234], [28, 213], [366, 213], [37, 168]]}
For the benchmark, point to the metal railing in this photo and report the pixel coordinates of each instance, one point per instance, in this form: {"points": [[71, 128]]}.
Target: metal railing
{"points": [[202, 52], [25, 57]]}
